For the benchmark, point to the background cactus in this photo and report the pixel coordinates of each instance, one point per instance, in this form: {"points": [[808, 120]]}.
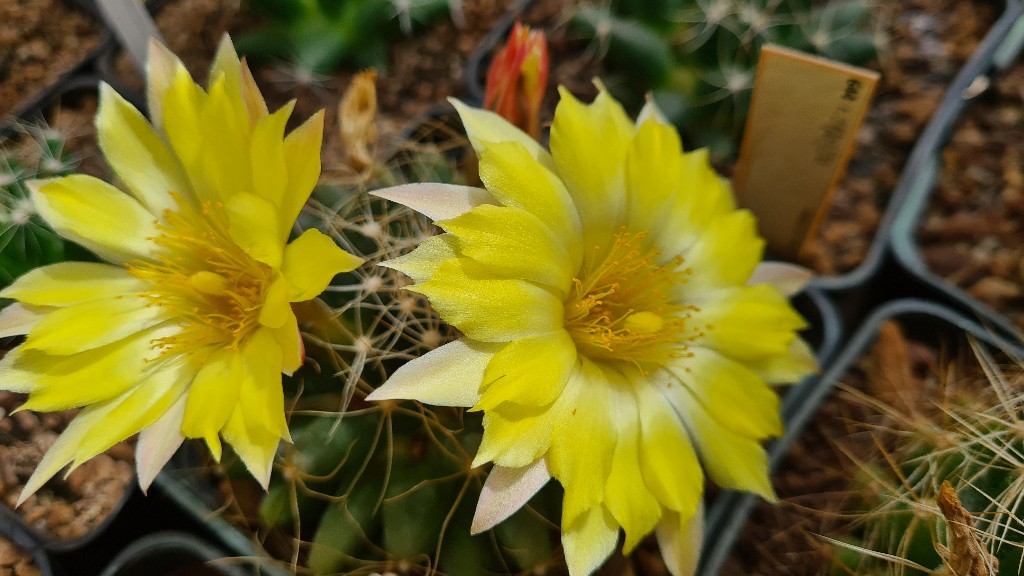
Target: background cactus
{"points": [[318, 36], [971, 437], [26, 241], [699, 56]]}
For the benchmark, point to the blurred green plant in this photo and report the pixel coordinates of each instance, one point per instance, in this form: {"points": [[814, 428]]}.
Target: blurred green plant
{"points": [[318, 36], [699, 57], [26, 241]]}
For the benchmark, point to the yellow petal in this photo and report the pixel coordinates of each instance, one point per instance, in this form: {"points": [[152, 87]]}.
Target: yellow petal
{"points": [[67, 283], [255, 446], [93, 324], [677, 482], [17, 319], [109, 370], [516, 436], [254, 101], [797, 363], [16, 379], [311, 261], [515, 178], [276, 307], [138, 155], [626, 494], [731, 238], [421, 263], [702, 196], [448, 376], [489, 308], [680, 538], [730, 393], [101, 425], [161, 68], [96, 215], [654, 170], [224, 161], [250, 219], [513, 243], [302, 157], [532, 371], [589, 143], [227, 66], [289, 339], [269, 171], [484, 127], [135, 409], [748, 322], [589, 540], [730, 459], [583, 443], [212, 397], [262, 395], [181, 123]]}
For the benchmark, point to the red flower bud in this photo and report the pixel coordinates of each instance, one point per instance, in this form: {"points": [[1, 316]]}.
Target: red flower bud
{"points": [[518, 78]]}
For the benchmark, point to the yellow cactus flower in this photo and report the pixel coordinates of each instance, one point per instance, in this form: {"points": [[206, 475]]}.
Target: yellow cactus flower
{"points": [[619, 328], [186, 328]]}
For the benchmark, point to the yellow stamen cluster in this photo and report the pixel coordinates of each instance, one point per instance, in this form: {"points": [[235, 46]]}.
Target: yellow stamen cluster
{"points": [[622, 305], [211, 286]]}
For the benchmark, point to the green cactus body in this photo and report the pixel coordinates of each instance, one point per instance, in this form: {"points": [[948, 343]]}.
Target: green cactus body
{"points": [[26, 241]]}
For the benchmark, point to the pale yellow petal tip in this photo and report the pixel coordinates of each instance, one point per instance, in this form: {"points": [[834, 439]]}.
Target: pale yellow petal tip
{"points": [[788, 279], [36, 186], [651, 113], [386, 392], [40, 476], [505, 491]]}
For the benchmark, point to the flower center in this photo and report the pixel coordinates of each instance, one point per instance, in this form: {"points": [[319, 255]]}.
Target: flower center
{"points": [[211, 286], [623, 307]]}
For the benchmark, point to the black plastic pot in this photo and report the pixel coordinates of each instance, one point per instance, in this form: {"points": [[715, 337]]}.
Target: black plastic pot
{"points": [[78, 75], [886, 273], [12, 529], [184, 486], [171, 554], [997, 53], [924, 320]]}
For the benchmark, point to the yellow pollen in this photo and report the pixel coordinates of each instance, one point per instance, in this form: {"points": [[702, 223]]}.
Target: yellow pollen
{"points": [[623, 305], [212, 288]]}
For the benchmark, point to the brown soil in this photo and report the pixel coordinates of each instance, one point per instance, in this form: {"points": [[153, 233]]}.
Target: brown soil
{"points": [[39, 41], [14, 561], [973, 233], [900, 384], [927, 43], [64, 508], [424, 69]]}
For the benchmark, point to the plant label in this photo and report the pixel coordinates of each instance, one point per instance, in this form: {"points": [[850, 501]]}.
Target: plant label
{"points": [[800, 133]]}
